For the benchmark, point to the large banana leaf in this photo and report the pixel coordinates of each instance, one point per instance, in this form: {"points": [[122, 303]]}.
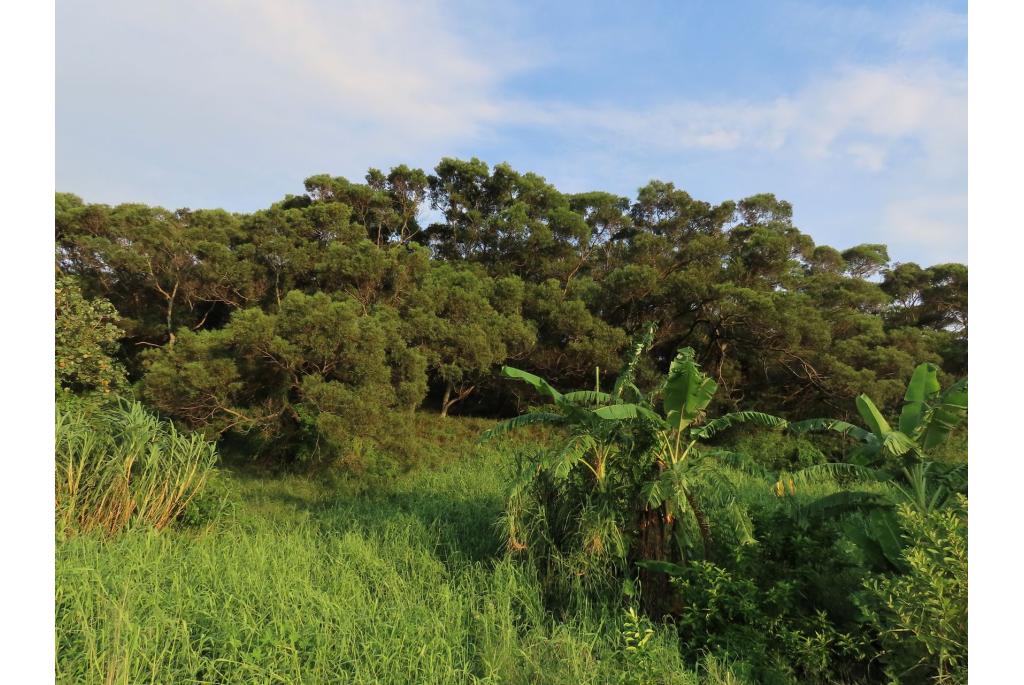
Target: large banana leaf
{"points": [[588, 397], [872, 417], [711, 428], [924, 385], [518, 422], [831, 472], [947, 416], [897, 444], [626, 411], [576, 449], [538, 383], [816, 425], [688, 391]]}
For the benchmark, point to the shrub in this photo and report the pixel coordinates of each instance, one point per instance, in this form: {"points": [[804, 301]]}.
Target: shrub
{"points": [[921, 616], [117, 465]]}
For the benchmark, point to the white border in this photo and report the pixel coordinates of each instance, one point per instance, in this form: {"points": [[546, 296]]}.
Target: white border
{"points": [[26, 484]]}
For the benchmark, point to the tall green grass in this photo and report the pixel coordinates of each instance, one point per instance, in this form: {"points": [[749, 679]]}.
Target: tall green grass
{"points": [[120, 464], [296, 583]]}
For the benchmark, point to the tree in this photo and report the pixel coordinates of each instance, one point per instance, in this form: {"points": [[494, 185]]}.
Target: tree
{"points": [[86, 340], [626, 485], [304, 384], [466, 323]]}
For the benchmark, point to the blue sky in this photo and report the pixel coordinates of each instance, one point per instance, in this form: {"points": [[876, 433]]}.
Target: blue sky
{"points": [[854, 112]]}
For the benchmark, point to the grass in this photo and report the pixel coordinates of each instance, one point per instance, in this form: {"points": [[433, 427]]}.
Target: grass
{"points": [[118, 465], [293, 582]]}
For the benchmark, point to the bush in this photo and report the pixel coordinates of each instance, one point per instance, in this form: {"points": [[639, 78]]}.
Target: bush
{"points": [[118, 464], [921, 616]]}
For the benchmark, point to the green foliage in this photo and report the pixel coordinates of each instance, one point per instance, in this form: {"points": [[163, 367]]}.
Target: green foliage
{"points": [[626, 484], [778, 322], [119, 465], [921, 615], [466, 323], [298, 584], [928, 418], [311, 383], [86, 341]]}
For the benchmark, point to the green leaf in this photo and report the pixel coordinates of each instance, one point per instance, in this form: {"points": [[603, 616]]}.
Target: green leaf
{"points": [[897, 444], [712, 428], [588, 397], [518, 422], [818, 425], [835, 471], [924, 384], [640, 344], [626, 411], [946, 417], [872, 417], [538, 383], [687, 392]]}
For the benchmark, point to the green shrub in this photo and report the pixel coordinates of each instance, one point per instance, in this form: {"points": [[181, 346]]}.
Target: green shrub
{"points": [[119, 464], [921, 616]]}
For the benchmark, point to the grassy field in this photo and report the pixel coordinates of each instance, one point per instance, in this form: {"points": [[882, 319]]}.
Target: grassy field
{"points": [[292, 581]]}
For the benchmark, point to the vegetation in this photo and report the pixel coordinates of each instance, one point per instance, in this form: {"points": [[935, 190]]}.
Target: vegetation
{"points": [[511, 271], [120, 465], [285, 453]]}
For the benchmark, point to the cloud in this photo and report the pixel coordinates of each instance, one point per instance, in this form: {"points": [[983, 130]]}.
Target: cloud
{"points": [[927, 223], [200, 103], [856, 114]]}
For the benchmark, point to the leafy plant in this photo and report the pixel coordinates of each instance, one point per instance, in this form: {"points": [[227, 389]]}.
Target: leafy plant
{"points": [[626, 483], [86, 339], [928, 417], [921, 615]]}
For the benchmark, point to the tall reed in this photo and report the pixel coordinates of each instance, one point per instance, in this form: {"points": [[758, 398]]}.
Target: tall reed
{"points": [[120, 465]]}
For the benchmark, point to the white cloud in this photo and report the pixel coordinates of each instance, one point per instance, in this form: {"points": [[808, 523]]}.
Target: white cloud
{"points": [[927, 223], [858, 113]]}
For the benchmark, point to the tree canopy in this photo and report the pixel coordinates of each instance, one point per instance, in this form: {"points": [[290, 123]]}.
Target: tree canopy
{"points": [[297, 322]]}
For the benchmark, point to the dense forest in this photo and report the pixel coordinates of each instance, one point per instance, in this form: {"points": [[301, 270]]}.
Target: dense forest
{"points": [[461, 427], [292, 330]]}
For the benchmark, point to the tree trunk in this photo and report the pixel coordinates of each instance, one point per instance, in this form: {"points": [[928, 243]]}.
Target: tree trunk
{"points": [[445, 403]]}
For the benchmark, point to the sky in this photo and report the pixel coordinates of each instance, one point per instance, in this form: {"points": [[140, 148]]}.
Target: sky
{"points": [[854, 112]]}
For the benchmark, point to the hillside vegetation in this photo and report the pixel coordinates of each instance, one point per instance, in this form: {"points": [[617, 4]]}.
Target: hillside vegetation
{"points": [[543, 438]]}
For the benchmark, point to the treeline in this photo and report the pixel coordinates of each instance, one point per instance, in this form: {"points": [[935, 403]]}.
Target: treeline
{"points": [[303, 331]]}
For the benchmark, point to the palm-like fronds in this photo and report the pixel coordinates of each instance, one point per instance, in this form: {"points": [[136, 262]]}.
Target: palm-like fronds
{"points": [[521, 421], [835, 425], [837, 472], [726, 421]]}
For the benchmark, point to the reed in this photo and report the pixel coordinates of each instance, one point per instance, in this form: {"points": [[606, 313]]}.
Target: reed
{"points": [[122, 465]]}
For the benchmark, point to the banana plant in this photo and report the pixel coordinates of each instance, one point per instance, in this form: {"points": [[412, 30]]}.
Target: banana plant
{"points": [[685, 470], [928, 417]]}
